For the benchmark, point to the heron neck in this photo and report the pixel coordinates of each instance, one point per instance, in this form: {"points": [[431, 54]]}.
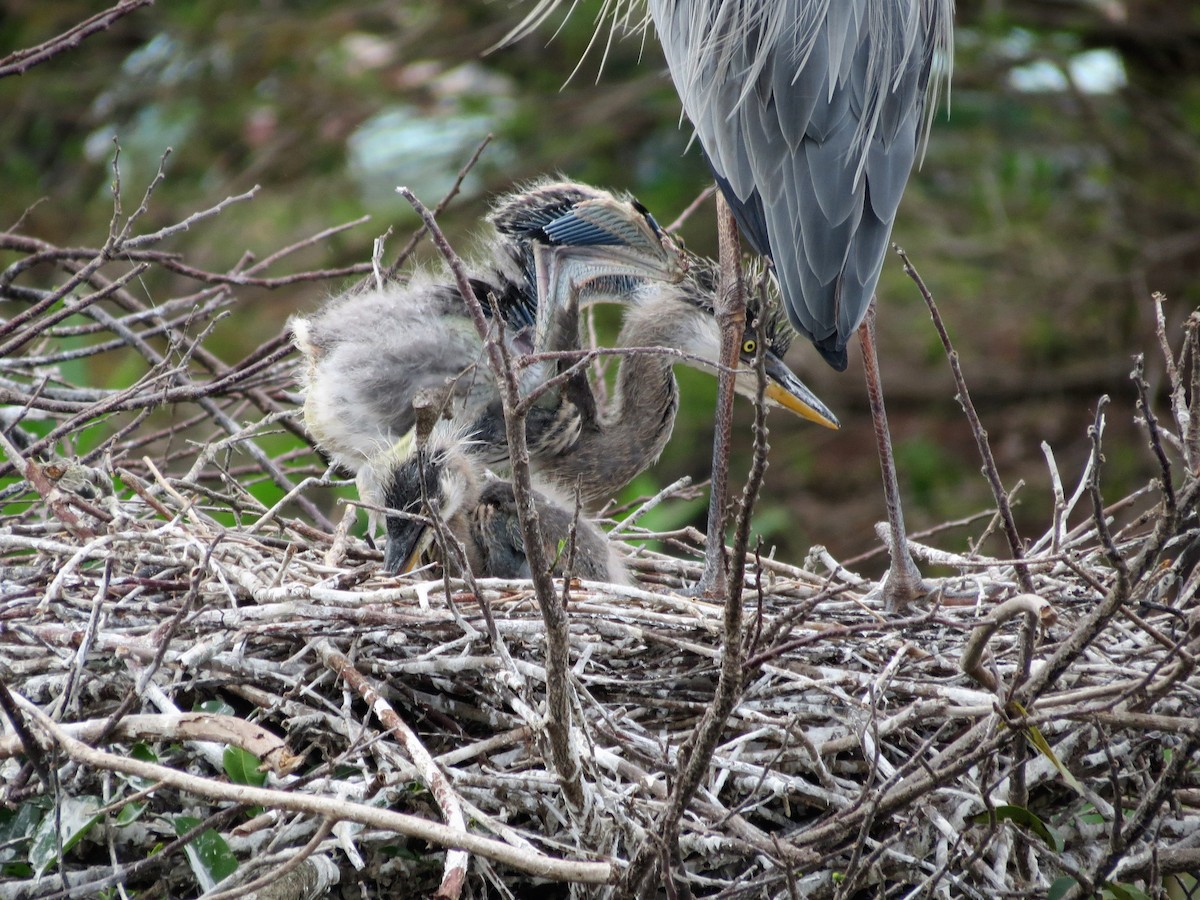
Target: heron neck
{"points": [[615, 447], [646, 396]]}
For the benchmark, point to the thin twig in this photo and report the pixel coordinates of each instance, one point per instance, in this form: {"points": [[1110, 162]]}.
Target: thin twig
{"points": [[558, 720], [21, 61], [981, 438]]}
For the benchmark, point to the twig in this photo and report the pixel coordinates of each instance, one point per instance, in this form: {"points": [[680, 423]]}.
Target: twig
{"points": [[329, 807], [981, 438], [1136, 825], [1178, 389], [409, 247], [1138, 376], [21, 61], [691, 208], [1096, 435], [696, 753], [730, 313], [163, 857], [276, 876], [558, 719], [1035, 608], [455, 869]]}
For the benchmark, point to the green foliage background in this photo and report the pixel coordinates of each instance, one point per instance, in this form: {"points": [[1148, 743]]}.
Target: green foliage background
{"points": [[1041, 219]]}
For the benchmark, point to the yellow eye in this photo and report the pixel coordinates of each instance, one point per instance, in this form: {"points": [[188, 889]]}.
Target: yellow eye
{"points": [[749, 346]]}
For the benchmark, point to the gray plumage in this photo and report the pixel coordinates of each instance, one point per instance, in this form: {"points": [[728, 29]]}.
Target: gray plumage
{"points": [[810, 113], [612, 446], [480, 512], [369, 355], [359, 395]]}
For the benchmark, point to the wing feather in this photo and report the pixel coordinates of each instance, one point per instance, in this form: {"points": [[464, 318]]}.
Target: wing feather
{"points": [[810, 112]]}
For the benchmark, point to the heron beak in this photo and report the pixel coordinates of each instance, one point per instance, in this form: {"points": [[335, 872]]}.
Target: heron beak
{"points": [[788, 391], [407, 539]]}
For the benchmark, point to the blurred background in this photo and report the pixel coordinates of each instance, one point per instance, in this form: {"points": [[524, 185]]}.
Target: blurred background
{"points": [[1063, 189]]}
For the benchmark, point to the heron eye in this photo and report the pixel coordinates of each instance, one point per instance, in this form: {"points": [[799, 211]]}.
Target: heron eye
{"points": [[749, 346]]}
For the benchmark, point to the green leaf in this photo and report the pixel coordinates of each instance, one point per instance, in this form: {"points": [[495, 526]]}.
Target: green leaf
{"points": [[184, 824], [215, 707], [243, 767], [1059, 889], [142, 753], [1021, 816], [130, 813], [1123, 892], [1038, 740], [208, 855], [17, 827], [76, 817]]}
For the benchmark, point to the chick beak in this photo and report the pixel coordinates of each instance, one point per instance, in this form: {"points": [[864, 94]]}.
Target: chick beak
{"points": [[407, 539], [785, 389]]}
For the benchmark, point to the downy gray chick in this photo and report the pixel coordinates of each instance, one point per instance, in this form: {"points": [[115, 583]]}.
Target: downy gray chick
{"points": [[445, 479]]}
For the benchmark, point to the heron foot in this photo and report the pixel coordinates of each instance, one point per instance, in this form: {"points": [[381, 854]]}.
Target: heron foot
{"points": [[902, 584]]}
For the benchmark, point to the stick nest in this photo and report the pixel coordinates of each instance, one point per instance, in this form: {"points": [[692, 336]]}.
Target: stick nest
{"points": [[194, 658]]}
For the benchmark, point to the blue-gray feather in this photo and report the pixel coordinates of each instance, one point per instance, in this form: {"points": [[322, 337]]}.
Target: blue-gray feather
{"points": [[810, 113], [570, 229]]}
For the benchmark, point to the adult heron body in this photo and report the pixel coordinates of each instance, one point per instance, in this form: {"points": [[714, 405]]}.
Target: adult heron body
{"points": [[810, 113]]}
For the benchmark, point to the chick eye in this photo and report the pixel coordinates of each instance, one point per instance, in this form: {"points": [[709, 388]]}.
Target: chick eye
{"points": [[749, 346]]}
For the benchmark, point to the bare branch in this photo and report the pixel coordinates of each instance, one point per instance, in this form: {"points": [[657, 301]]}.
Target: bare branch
{"points": [[21, 61], [981, 438]]}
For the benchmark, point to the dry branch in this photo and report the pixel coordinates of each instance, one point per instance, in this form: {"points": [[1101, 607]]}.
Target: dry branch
{"points": [[176, 562]]}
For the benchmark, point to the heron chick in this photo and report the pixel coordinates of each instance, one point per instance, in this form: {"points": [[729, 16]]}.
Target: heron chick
{"points": [[602, 451], [370, 354], [609, 447], [555, 244], [444, 479]]}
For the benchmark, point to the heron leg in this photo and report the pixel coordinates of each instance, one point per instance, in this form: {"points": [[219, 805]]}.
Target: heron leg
{"points": [[731, 316], [903, 582]]}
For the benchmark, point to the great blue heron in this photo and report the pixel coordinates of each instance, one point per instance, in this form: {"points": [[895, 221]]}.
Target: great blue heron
{"points": [[444, 478], [576, 446], [810, 113], [370, 354], [603, 449]]}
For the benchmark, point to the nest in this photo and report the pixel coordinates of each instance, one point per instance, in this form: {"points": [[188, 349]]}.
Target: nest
{"points": [[209, 692]]}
